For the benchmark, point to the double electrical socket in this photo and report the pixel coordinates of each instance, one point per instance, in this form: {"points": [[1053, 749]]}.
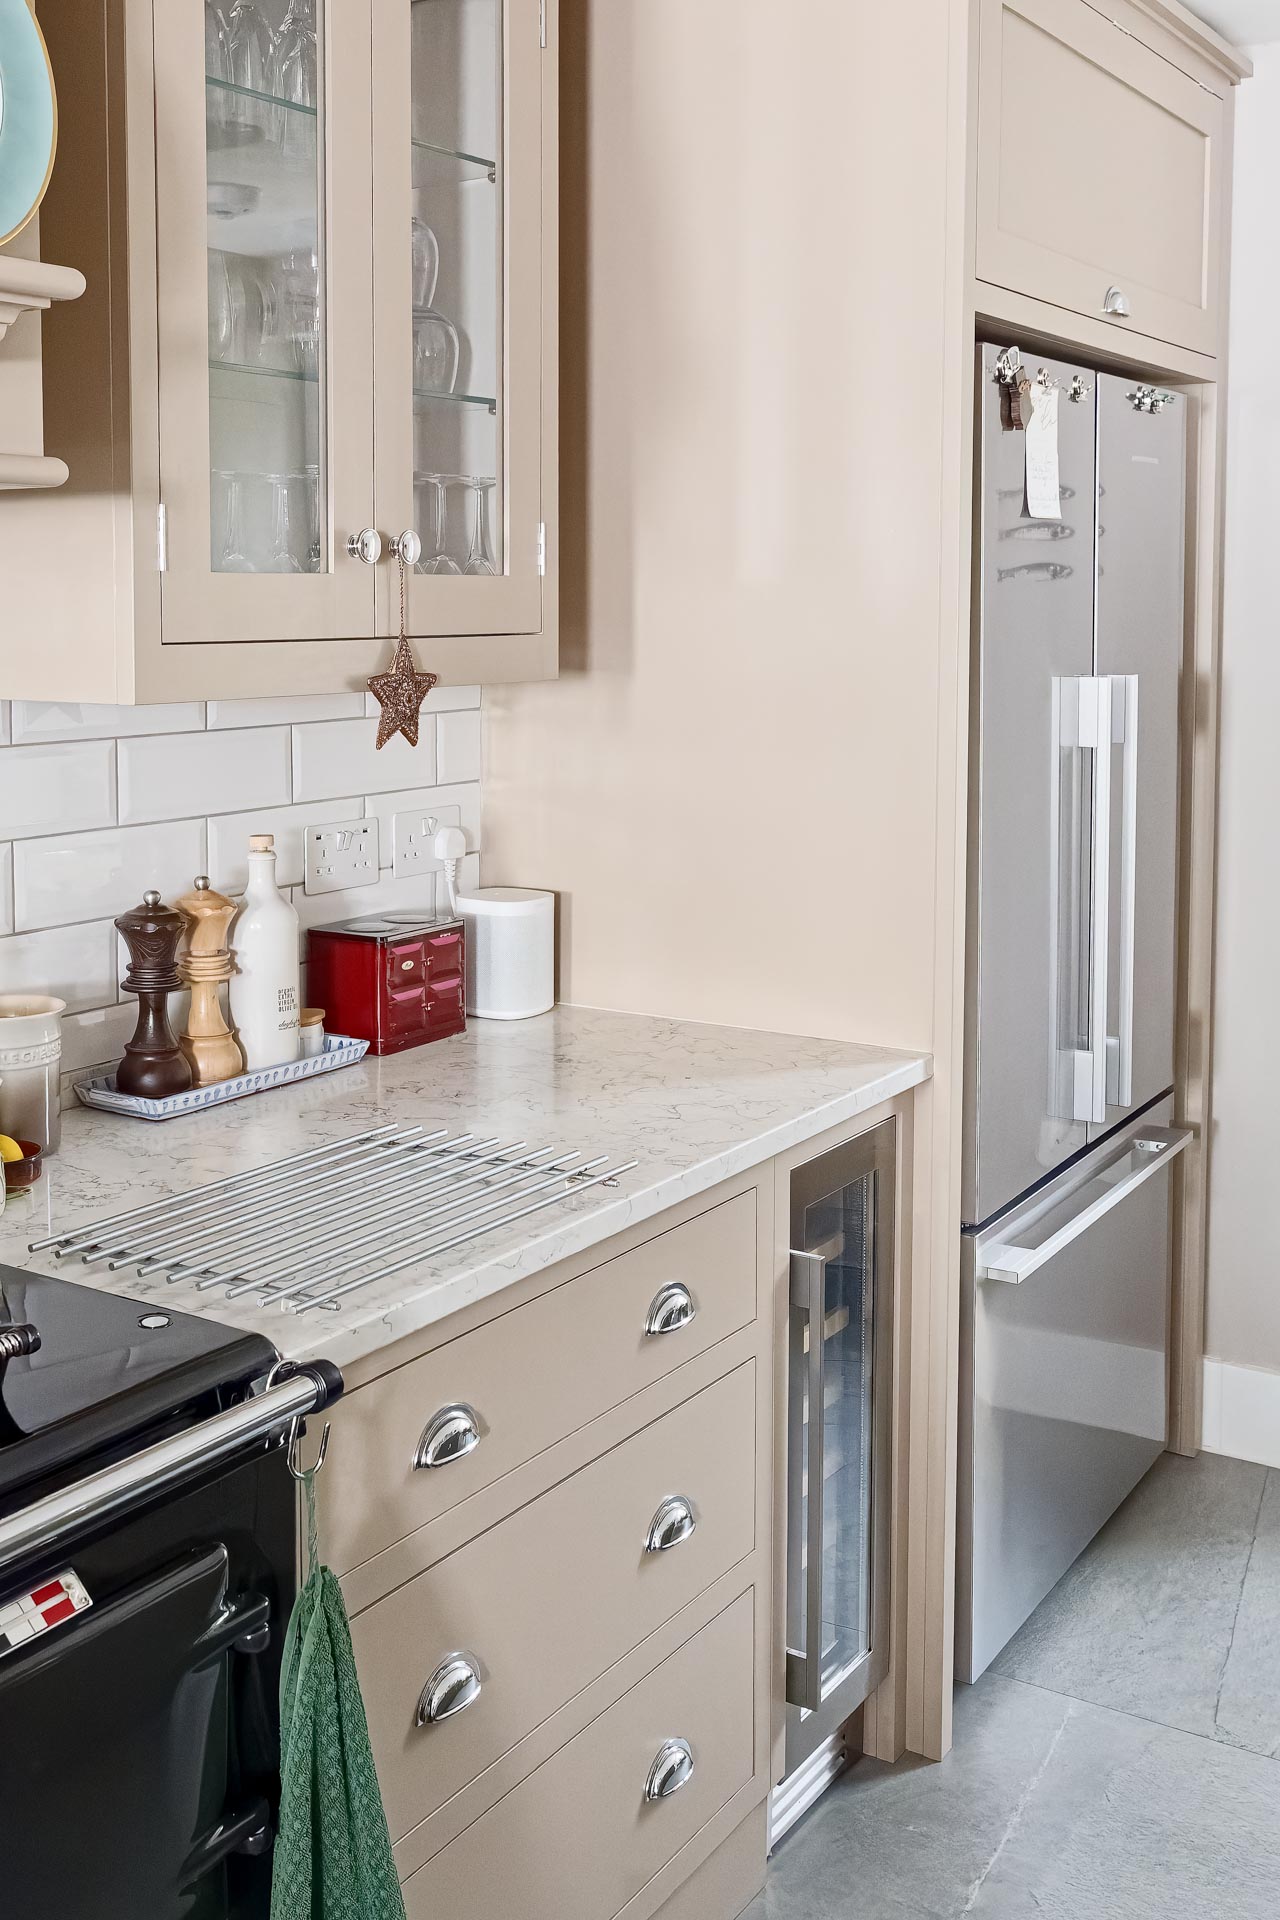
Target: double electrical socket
{"points": [[341, 855], [413, 836]]}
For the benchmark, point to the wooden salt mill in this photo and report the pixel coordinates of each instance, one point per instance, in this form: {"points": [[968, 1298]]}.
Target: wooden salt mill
{"points": [[208, 1042], [153, 1066]]}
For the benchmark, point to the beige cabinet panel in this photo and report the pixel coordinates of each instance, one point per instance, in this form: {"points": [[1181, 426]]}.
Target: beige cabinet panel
{"points": [[547, 1600], [578, 1839], [1101, 171], [592, 1352]]}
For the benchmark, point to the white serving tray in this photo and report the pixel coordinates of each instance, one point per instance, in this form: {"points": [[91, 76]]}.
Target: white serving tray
{"points": [[339, 1051]]}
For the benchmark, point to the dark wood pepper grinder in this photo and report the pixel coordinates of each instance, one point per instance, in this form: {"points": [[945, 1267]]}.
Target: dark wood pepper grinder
{"points": [[154, 1065]]}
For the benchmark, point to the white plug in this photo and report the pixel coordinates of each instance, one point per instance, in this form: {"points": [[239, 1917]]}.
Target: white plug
{"points": [[450, 846]]}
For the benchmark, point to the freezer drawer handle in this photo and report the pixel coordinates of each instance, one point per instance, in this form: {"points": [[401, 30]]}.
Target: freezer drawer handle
{"points": [[1153, 1148], [808, 1301]]}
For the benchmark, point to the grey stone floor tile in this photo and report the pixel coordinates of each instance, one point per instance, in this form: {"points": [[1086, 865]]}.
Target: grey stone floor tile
{"points": [[1144, 1620], [1046, 1809], [1248, 1712]]}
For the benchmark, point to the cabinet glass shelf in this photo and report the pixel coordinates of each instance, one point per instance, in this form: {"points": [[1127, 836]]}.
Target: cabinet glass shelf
{"points": [[421, 395], [263, 99], [489, 168]]}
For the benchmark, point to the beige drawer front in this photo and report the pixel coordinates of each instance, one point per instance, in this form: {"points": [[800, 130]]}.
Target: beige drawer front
{"points": [[578, 1838], [551, 1597], [531, 1376], [1100, 166]]}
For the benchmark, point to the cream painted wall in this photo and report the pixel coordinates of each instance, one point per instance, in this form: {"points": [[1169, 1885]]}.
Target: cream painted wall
{"points": [[1243, 1324], [733, 785]]}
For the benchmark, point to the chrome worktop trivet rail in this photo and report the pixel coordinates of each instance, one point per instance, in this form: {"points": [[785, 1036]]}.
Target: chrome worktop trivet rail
{"points": [[303, 1232]]}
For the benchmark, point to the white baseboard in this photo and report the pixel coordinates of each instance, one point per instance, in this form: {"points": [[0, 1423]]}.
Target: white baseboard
{"points": [[1241, 1412]]}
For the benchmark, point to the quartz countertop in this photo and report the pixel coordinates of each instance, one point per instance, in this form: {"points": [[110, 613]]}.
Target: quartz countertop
{"points": [[692, 1105]]}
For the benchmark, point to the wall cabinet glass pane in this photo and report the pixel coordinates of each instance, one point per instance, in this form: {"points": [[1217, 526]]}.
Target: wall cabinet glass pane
{"points": [[264, 122], [456, 290]]}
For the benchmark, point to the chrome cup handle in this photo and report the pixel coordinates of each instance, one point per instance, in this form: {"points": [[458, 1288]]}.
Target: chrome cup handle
{"points": [[671, 1308], [673, 1523], [453, 1687], [449, 1435], [671, 1770]]}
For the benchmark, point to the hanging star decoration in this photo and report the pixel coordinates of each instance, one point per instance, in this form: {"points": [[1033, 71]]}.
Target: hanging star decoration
{"points": [[400, 694]]}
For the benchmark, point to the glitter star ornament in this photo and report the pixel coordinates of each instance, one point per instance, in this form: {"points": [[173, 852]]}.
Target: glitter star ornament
{"points": [[400, 694]]}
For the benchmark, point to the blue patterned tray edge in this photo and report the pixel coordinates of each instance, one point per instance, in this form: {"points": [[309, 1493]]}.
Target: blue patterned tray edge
{"points": [[339, 1051]]}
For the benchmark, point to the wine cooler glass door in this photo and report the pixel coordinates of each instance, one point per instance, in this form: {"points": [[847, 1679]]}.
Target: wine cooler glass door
{"points": [[458, 161], [839, 1435], [265, 266]]}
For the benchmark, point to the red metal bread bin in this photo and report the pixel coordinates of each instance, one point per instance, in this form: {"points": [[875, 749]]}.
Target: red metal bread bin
{"points": [[395, 980]]}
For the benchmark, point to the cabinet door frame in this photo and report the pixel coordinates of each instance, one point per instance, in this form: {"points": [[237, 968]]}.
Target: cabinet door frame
{"points": [[512, 602], [199, 604], [1038, 268]]}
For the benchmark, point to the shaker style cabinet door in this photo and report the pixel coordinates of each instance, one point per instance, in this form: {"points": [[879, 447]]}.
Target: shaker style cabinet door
{"points": [[264, 320], [458, 183], [1101, 172]]}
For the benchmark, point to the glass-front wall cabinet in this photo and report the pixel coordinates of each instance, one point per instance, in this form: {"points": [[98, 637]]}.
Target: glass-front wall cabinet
{"points": [[349, 254]]}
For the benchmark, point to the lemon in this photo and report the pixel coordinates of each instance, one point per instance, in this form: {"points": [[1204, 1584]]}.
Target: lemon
{"points": [[9, 1149]]}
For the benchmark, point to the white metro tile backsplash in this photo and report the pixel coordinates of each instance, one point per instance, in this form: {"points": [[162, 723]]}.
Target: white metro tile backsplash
{"points": [[101, 803], [62, 787]]}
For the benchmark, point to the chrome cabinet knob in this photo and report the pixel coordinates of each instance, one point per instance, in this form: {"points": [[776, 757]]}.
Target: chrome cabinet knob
{"points": [[671, 1770], [1116, 303], [453, 1687], [405, 546], [366, 545], [449, 1435], [670, 1309], [673, 1523]]}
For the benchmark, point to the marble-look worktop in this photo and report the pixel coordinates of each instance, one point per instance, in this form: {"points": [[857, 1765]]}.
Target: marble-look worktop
{"points": [[691, 1105]]}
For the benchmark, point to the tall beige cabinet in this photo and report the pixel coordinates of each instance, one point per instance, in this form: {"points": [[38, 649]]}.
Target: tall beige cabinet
{"points": [[749, 788], [318, 341]]}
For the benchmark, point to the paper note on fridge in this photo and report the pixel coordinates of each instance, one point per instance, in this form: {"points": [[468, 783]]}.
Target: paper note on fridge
{"points": [[1044, 500]]}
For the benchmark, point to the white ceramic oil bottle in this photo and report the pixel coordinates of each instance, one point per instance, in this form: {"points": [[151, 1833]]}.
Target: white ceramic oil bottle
{"points": [[263, 990]]}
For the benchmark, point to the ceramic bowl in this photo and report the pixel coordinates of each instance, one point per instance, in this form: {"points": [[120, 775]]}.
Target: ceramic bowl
{"points": [[24, 1172]]}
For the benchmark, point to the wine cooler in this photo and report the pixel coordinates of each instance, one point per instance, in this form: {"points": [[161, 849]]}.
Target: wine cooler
{"points": [[839, 1444]]}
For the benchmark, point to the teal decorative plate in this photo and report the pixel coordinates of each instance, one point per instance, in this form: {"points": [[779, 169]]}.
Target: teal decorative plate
{"points": [[28, 117]]}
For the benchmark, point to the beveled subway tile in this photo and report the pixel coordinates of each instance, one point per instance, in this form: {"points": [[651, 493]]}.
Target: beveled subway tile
{"points": [[336, 757], [76, 964], [36, 720], [57, 789], [169, 776], [96, 876]]}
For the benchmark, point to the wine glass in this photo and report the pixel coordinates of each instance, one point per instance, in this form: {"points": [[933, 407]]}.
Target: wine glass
{"points": [[284, 530], [480, 555], [435, 352], [426, 264], [295, 64], [432, 522]]}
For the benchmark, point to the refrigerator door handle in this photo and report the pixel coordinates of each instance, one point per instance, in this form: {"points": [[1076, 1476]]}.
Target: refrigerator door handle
{"points": [[1090, 1101], [1124, 713], [998, 1256], [809, 1298]]}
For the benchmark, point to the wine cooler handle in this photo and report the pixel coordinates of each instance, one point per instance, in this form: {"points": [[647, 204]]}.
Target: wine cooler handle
{"points": [[808, 1299]]}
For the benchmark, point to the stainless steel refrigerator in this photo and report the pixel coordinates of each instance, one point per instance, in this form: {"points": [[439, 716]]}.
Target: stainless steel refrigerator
{"points": [[1070, 983]]}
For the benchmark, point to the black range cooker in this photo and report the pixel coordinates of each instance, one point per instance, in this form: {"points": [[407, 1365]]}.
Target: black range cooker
{"points": [[147, 1571]]}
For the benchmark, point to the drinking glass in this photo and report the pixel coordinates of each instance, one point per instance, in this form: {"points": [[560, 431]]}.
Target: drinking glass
{"points": [[480, 556], [295, 72], [224, 318], [258, 310], [426, 264], [297, 282], [429, 490], [252, 45], [217, 62], [435, 352]]}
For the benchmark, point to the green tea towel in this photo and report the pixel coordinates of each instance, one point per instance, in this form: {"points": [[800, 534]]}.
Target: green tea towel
{"points": [[333, 1856]]}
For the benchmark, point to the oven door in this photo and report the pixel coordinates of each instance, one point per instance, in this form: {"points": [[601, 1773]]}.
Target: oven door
{"points": [[139, 1741]]}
